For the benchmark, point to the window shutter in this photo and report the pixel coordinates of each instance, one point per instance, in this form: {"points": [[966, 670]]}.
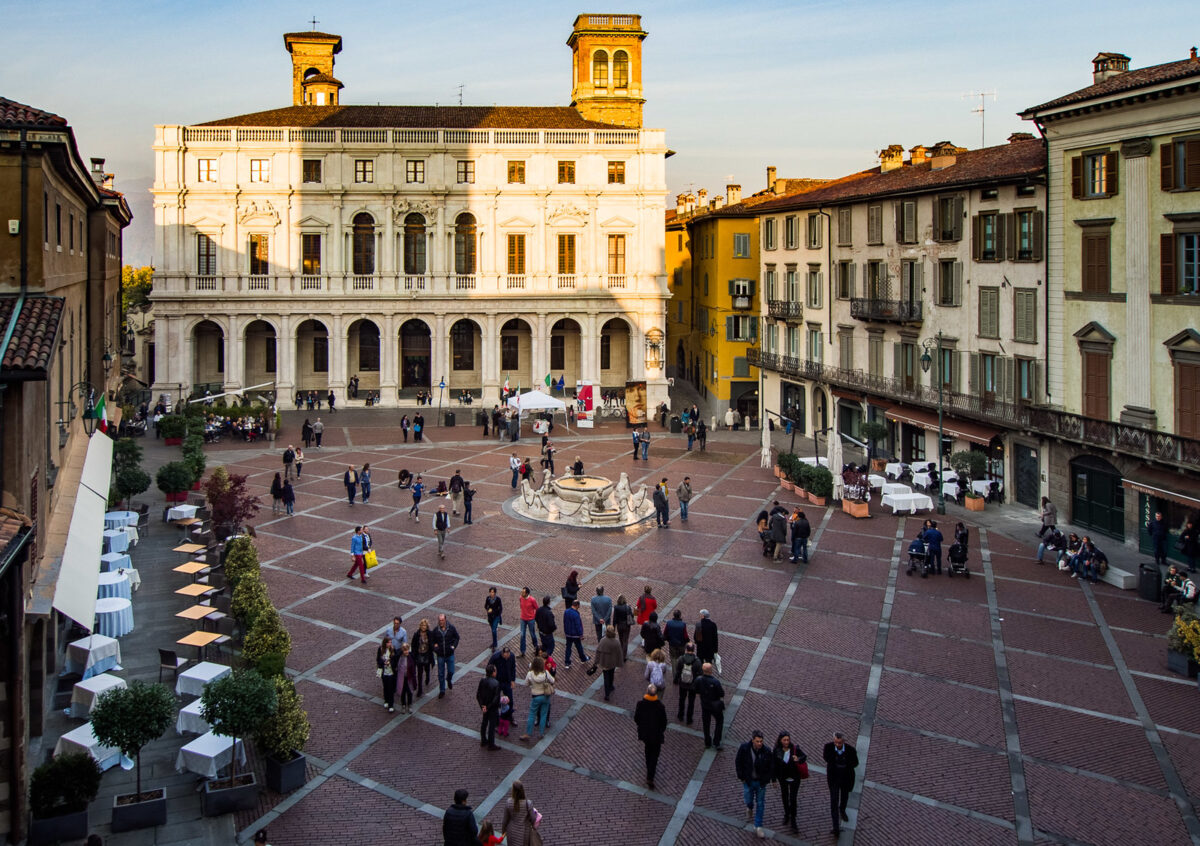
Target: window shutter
{"points": [[1001, 232], [956, 371], [937, 283], [1077, 177], [910, 222], [1111, 183], [820, 287], [898, 362], [1019, 327], [958, 217], [1039, 235], [1035, 379], [973, 373], [919, 279], [728, 328], [1166, 170], [1191, 163], [1167, 285], [1103, 275], [977, 238], [753, 330], [1010, 236], [1005, 370], [898, 212], [853, 280], [958, 295]]}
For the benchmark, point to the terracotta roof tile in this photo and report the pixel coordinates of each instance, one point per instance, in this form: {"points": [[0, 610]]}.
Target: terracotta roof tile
{"points": [[1128, 81], [11, 524], [32, 344], [322, 77], [418, 117], [13, 113]]}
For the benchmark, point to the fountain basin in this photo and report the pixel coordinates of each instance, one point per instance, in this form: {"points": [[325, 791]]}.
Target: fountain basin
{"points": [[579, 488]]}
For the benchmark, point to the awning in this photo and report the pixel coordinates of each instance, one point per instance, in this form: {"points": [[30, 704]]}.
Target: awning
{"points": [[846, 395], [951, 426], [1176, 487], [79, 575]]}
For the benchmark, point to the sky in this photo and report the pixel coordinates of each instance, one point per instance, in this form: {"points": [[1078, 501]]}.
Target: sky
{"points": [[814, 88]]}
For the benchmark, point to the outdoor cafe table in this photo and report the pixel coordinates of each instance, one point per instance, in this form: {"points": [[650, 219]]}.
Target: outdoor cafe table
{"points": [[196, 612], [907, 502], [208, 754], [191, 681], [120, 519], [115, 561], [189, 548], [114, 616], [132, 533], [190, 720], [894, 468], [877, 481], [950, 490], [895, 488], [192, 568], [195, 590], [200, 640], [86, 692], [82, 739], [90, 656], [113, 584], [925, 478], [115, 540], [984, 486], [181, 512]]}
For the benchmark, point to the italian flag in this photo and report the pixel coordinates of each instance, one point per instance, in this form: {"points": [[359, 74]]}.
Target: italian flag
{"points": [[506, 388], [101, 415]]}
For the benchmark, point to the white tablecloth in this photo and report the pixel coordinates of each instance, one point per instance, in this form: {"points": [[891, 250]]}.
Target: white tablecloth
{"points": [[132, 533], [922, 479], [90, 656], [192, 681], [813, 462], [895, 488], [907, 502], [950, 490], [120, 519], [86, 692], [83, 740], [114, 616], [181, 512], [113, 584], [189, 720], [115, 540], [115, 561], [894, 468], [208, 754], [877, 481], [983, 486]]}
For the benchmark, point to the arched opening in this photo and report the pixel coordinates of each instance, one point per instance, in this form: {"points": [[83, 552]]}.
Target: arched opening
{"points": [[820, 409], [600, 69], [466, 357], [1097, 497], [614, 354], [516, 354], [794, 405], [414, 245], [310, 73], [465, 258], [208, 357], [566, 359], [259, 354], [312, 357], [414, 355], [620, 69], [363, 238], [362, 354]]}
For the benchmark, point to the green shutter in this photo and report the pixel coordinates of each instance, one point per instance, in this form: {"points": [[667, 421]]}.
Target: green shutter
{"points": [[958, 217], [1166, 171], [728, 328], [1039, 235]]}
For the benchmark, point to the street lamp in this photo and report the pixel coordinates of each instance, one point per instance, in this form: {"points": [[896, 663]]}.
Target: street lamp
{"points": [[926, 362], [86, 392]]}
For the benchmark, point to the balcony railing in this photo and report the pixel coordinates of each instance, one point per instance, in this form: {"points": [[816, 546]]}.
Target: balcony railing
{"points": [[616, 280], [784, 309], [258, 283], [514, 282], [464, 282], [362, 283], [1146, 444], [414, 282], [566, 281], [311, 283], [206, 283], [893, 311]]}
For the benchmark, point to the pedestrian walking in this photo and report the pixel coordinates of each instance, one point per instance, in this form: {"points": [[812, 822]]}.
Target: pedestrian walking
{"points": [[644, 440], [1159, 532], [406, 678], [318, 429], [468, 498], [1049, 516], [676, 635], [487, 696], [289, 458], [441, 523], [662, 507], [521, 819], [350, 480], [801, 531], [702, 435], [791, 767], [487, 833], [779, 532], [529, 607], [755, 770], [276, 494], [1189, 544], [637, 443], [418, 490], [932, 536], [608, 656], [623, 620], [650, 715], [651, 633], [705, 634], [841, 760], [423, 655], [456, 492], [358, 550], [541, 688], [514, 464], [544, 618], [364, 482], [405, 425], [396, 633], [385, 662], [691, 436], [288, 495], [458, 823], [646, 605], [685, 671], [306, 431], [493, 607], [712, 706], [573, 632], [299, 462], [602, 612], [570, 590], [656, 671], [445, 642], [506, 673], [418, 427], [684, 494]]}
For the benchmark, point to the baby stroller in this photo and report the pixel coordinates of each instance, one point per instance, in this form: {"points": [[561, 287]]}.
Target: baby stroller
{"points": [[958, 560], [918, 557]]}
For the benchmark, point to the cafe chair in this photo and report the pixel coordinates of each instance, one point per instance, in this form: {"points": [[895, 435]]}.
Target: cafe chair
{"points": [[168, 660]]}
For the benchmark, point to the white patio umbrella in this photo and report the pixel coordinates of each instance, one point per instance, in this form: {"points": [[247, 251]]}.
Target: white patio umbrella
{"points": [[835, 463], [765, 461]]}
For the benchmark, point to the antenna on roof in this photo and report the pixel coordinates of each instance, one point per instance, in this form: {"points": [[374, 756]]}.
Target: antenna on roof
{"points": [[314, 23], [460, 93], [982, 112]]}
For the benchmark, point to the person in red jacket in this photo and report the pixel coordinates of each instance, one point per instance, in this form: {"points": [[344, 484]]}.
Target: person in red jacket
{"points": [[646, 605], [529, 607]]}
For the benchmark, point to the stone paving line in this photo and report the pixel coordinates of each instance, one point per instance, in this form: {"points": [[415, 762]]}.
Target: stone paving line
{"points": [[994, 607]]}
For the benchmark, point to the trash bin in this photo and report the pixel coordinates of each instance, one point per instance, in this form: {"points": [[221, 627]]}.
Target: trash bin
{"points": [[1149, 582], [449, 418], [676, 425]]}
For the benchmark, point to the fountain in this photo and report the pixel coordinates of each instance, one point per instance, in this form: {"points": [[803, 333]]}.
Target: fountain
{"points": [[586, 501]]}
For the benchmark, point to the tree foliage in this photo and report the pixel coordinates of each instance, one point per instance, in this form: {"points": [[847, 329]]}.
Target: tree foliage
{"points": [[131, 481], [136, 283], [249, 600], [65, 785], [236, 705], [286, 731], [129, 718], [229, 500], [241, 558], [174, 477], [268, 636]]}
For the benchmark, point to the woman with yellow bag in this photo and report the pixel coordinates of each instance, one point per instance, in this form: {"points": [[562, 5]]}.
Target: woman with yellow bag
{"points": [[358, 551]]}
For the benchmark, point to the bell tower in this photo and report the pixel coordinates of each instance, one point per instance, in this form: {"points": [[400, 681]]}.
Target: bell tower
{"points": [[313, 83], [606, 68]]}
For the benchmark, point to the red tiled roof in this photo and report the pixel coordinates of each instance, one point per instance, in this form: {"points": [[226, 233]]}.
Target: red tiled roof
{"points": [[322, 77], [13, 113], [1011, 161], [12, 523], [32, 344], [418, 117], [1128, 81]]}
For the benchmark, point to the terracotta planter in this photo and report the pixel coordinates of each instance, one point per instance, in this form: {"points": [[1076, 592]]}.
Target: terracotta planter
{"points": [[177, 497], [778, 472], [816, 500], [787, 486], [974, 503], [856, 509]]}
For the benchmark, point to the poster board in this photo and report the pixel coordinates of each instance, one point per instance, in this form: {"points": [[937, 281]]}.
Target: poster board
{"points": [[635, 403], [585, 405]]}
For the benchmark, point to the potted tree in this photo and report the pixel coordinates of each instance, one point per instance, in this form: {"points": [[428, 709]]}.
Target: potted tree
{"points": [[281, 739], [230, 501], [127, 719], [172, 428], [235, 706], [249, 599], [1182, 642], [193, 457], [820, 485], [59, 793], [873, 432], [267, 643], [240, 558], [802, 477], [174, 479], [787, 467], [856, 495], [972, 465]]}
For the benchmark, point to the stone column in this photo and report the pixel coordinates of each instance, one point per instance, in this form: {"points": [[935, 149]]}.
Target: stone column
{"points": [[337, 357], [389, 357], [539, 348], [589, 349], [489, 347], [1137, 360], [285, 362], [235, 355], [173, 361], [438, 353]]}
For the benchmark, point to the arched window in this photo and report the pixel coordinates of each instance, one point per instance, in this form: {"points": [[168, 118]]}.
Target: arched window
{"points": [[620, 69], [464, 244], [414, 244], [600, 69], [310, 73], [364, 245]]}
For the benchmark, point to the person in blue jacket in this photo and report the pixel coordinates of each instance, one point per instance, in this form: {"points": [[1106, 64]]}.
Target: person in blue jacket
{"points": [[573, 632], [933, 537]]}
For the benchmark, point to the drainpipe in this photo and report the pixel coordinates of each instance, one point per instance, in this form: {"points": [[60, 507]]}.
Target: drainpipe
{"points": [[1046, 258]]}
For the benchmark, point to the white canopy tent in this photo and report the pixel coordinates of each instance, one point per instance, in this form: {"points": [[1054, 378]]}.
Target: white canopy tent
{"points": [[538, 401], [79, 576]]}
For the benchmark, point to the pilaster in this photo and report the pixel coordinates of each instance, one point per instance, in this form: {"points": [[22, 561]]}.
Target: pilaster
{"points": [[1137, 362]]}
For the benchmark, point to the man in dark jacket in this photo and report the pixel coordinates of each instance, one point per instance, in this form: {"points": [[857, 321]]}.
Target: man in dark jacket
{"points": [[506, 672], [933, 537], [712, 706], [675, 633], [801, 531], [544, 620], [487, 696], [779, 534], [444, 639], [755, 770], [652, 637], [458, 824], [705, 637], [289, 462], [688, 666], [573, 632], [651, 718], [602, 611], [841, 760], [456, 491], [1158, 534], [662, 508]]}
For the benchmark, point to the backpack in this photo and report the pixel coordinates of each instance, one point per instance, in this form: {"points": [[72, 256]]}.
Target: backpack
{"points": [[1188, 590], [656, 675], [685, 671]]}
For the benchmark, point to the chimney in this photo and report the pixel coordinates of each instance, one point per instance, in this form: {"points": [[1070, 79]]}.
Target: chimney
{"points": [[680, 204], [98, 171], [701, 199], [689, 202], [108, 181], [734, 193], [918, 154], [1020, 136], [718, 202], [770, 177], [1107, 65], [1194, 57], [891, 158]]}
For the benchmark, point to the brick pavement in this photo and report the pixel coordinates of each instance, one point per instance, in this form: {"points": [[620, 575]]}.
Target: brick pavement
{"points": [[1102, 751]]}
